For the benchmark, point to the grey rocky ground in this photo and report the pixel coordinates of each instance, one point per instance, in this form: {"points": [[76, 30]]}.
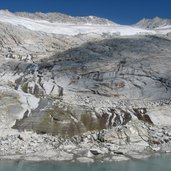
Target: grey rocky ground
{"points": [[83, 98]]}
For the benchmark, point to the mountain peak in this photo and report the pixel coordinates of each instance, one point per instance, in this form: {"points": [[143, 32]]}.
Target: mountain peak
{"points": [[153, 23], [5, 12]]}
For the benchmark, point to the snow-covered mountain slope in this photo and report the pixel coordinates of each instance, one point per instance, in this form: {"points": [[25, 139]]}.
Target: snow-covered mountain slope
{"points": [[63, 18], [153, 23], [164, 29], [60, 18], [70, 28]]}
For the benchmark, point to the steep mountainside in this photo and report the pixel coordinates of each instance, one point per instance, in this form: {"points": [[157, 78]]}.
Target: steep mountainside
{"points": [[94, 89]]}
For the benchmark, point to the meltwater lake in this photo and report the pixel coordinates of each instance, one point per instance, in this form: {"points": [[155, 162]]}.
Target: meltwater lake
{"points": [[160, 163]]}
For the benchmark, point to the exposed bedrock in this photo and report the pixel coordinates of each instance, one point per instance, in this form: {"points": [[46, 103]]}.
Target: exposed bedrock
{"points": [[99, 85]]}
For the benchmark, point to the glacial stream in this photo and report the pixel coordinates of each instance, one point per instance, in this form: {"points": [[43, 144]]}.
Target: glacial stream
{"points": [[159, 163]]}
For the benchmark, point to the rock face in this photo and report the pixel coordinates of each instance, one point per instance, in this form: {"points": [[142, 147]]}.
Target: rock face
{"points": [[98, 96]]}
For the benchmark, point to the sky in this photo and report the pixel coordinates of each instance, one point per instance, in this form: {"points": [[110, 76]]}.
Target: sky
{"points": [[119, 11]]}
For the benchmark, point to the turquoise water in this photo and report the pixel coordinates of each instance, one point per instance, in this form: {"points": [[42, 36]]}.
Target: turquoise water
{"points": [[162, 163]]}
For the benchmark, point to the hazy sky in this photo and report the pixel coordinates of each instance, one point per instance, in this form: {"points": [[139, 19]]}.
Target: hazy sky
{"points": [[120, 11]]}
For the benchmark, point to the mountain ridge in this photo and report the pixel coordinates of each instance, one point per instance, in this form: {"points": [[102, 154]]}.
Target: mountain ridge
{"points": [[61, 18], [150, 23], [153, 23]]}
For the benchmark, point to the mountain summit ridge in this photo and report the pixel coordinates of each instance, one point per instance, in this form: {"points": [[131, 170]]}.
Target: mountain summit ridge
{"points": [[53, 17], [153, 23], [60, 24], [60, 17]]}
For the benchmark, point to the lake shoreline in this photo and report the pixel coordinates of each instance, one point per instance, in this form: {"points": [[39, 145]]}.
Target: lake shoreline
{"points": [[155, 163], [87, 148]]}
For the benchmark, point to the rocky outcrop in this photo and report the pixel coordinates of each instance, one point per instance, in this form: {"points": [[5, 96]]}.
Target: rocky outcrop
{"points": [[15, 105], [136, 140]]}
